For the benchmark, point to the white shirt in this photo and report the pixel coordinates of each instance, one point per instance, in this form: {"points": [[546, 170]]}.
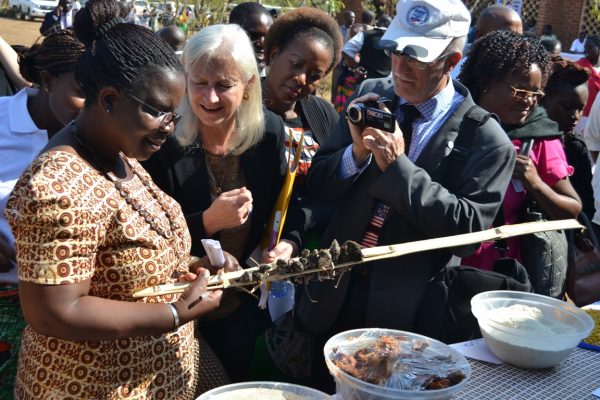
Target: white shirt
{"points": [[577, 46], [344, 32], [66, 19], [354, 45], [592, 128], [592, 141], [20, 142]]}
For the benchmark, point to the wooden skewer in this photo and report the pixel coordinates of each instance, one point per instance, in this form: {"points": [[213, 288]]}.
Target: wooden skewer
{"points": [[229, 279]]}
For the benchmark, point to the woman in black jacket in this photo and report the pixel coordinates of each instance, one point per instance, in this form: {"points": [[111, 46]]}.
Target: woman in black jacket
{"points": [[566, 96], [226, 169], [301, 48]]}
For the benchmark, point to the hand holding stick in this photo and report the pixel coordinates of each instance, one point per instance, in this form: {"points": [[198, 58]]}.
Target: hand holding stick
{"points": [[253, 277]]}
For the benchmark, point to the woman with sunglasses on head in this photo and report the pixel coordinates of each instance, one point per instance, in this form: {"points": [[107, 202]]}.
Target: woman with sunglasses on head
{"points": [[91, 229], [28, 120], [301, 48], [225, 167], [505, 73]]}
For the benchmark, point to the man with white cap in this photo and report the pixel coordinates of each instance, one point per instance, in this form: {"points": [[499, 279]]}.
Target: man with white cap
{"points": [[443, 171]]}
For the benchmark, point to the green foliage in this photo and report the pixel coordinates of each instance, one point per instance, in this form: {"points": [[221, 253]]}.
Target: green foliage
{"points": [[330, 6], [595, 9], [208, 12], [380, 6]]}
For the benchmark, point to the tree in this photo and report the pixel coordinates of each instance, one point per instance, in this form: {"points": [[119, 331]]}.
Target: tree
{"points": [[595, 9]]}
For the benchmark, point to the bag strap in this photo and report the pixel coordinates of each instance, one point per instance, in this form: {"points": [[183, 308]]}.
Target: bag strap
{"points": [[589, 230], [318, 119], [467, 131], [502, 244], [455, 162]]}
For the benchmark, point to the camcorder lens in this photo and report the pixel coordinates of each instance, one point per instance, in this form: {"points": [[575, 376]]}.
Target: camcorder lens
{"points": [[355, 113]]}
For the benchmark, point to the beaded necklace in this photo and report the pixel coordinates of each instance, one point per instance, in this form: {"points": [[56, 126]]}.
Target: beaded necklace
{"points": [[125, 193]]}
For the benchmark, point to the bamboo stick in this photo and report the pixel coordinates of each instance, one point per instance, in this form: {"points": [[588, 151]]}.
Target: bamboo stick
{"points": [[376, 253]]}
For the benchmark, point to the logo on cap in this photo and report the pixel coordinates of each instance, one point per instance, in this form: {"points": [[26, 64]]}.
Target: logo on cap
{"points": [[417, 16]]}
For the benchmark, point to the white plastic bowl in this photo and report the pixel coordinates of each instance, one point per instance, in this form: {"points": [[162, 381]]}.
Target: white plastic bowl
{"points": [[263, 391], [351, 388], [524, 348]]}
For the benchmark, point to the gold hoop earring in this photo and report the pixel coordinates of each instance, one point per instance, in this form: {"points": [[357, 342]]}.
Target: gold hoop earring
{"points": [[246, 96]]}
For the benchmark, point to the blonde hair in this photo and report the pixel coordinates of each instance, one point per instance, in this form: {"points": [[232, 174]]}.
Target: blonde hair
{"points": [[231, 40]]}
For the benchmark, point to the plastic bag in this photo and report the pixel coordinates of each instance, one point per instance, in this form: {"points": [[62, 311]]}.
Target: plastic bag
{"points": [[381, 364]]}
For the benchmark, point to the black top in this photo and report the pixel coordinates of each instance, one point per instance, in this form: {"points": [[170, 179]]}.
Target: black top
{"points": [[182, 174], [6, 87], [578, 158], [377, 64], [320, 117]]}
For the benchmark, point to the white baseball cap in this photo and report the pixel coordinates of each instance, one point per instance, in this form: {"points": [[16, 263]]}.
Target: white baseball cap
{"points": [[423, 28]]}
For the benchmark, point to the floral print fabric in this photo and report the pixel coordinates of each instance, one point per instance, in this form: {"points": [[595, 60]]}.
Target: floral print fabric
{"points": [[72, 225]]}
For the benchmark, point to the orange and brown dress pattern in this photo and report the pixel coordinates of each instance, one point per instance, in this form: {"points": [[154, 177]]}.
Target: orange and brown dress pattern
{"points": [[71, 225]]}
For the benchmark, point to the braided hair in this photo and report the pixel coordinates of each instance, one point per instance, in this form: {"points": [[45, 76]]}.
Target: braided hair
{"points": [[305, 22], [565, 72], [57, 55], [499, 54], [118, 54]]}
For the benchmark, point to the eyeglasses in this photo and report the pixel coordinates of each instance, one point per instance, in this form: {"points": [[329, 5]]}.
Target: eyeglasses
{"points": [[524, 94], [413, 62], [165, 117]]}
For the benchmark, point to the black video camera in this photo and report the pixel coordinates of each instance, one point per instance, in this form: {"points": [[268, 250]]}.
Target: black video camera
{"points": [[369, 114]]}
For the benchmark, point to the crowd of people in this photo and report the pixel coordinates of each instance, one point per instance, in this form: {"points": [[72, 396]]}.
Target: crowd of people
{"points": [[125, 148]]}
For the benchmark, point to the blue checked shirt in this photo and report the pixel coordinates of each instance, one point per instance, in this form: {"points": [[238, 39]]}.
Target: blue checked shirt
{"points": [[434, 112]]}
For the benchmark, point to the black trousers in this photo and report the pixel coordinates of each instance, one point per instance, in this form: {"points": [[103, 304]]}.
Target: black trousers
{"points": [[233, 337], [353, 315]]}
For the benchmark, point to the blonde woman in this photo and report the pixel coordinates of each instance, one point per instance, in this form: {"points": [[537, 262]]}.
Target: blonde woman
{"points": [[225, 167]]}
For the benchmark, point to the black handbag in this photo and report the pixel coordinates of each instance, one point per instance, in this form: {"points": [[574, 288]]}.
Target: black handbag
{"points": [[445, 313], [583, 274], [545, 256]]}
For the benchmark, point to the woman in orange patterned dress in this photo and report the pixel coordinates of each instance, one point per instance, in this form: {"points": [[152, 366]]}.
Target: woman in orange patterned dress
{"points": [[91, 228]]}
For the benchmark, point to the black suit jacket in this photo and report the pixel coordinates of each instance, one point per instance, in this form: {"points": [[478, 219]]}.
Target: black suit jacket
{"points": [[182, 174], [421, 208], [48, 26]]}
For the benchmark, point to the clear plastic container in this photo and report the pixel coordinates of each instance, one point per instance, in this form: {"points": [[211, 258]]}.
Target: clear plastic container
{"points": [[410, 368], [281, 298], [524, 347], [263, 391]]}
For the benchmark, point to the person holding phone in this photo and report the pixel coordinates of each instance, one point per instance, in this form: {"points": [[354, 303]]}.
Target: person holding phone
{"points": [[506, 73], [58, 19]]}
